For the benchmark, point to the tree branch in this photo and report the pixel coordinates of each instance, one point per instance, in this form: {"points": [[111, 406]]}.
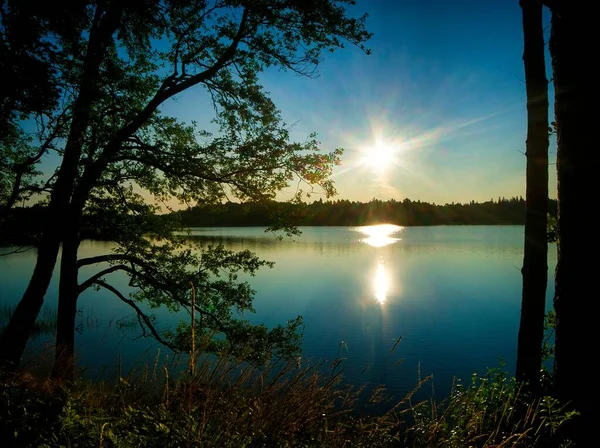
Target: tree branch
{"points": [[227, 177], [94, 170], [163, 284], [109, 258], [18, 250], [220, 325], [167, 91], [140, 314], [20, 169], [94, 278]]}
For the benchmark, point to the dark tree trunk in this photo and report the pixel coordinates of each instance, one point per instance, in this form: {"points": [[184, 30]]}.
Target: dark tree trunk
{"points": [[578, 242], [67, 303], [16, 334], [535, 264], [14, 339]]}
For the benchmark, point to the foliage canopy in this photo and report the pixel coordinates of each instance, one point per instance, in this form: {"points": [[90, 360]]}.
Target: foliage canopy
{"points": [[111, 67]]}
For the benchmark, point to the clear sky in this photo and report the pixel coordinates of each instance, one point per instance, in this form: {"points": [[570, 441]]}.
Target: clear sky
{"points": [[441, 100]]}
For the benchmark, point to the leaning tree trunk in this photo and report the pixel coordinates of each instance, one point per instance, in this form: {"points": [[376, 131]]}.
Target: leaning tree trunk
{"points": [[15, 336], [578, 241], [535, 268]]}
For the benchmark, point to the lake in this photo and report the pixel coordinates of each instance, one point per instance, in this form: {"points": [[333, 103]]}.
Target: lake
{"points": [[453, 294]]}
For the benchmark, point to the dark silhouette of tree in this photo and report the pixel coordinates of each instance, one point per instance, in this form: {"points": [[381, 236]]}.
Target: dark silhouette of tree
{"points": [[30, 89], [573, 30], [114, 83], [104, 24], [535, 260], [343, 212]]}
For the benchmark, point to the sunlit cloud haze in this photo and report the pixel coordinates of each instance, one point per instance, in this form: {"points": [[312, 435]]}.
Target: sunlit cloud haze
{"points": [[436, 113]]}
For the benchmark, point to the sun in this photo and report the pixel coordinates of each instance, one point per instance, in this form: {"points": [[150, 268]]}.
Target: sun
{"points": [[380, 156]]}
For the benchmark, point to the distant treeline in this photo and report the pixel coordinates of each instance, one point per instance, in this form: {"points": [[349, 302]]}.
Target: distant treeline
{"points": [[351, 213], [23, 225]]}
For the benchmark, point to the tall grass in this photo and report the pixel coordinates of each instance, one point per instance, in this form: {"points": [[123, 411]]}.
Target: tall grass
{"points": [[223, 402], [44, 325], [493, 411]]}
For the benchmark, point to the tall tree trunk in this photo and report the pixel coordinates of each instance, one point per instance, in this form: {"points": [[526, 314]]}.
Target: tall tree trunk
{"points": [[67, 302], [15, 336], [578, 241], [535, 263], [68, 291]]}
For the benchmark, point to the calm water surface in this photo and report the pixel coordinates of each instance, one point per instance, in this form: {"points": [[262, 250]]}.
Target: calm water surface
{"points": [[451, 292]]}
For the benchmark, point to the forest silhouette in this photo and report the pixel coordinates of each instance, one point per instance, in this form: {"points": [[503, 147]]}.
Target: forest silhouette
{"points": [[353, 213], [23, 224]]}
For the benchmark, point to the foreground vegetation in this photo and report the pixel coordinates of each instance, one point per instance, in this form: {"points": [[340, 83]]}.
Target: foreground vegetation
{"points": [[221, 402]]}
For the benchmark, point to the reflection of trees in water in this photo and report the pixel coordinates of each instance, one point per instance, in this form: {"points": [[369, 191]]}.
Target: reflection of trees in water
{"points": [[274, 244], [429, 241], [235, 242], [345, 247]]}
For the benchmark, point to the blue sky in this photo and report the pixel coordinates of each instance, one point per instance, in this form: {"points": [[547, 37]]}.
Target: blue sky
{"points": [[443, 90]]}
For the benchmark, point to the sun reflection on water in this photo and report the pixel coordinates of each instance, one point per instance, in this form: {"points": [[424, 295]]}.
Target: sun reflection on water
{"points": [[381, 279], [380, 235], [381, 283]]}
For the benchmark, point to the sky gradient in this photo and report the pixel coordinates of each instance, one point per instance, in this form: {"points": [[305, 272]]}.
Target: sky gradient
{"points": [[444, 87]]}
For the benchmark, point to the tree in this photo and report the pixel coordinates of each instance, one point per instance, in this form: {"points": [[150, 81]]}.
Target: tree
{"points": [[535, 260], [162, 275], [29, 89], [81, 75], [132, 57], [573, 76]]}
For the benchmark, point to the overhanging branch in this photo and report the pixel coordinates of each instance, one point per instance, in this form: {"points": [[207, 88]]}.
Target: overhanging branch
{"points": [[109, 258], [18, 250], [141, 315], [94, 278]]}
